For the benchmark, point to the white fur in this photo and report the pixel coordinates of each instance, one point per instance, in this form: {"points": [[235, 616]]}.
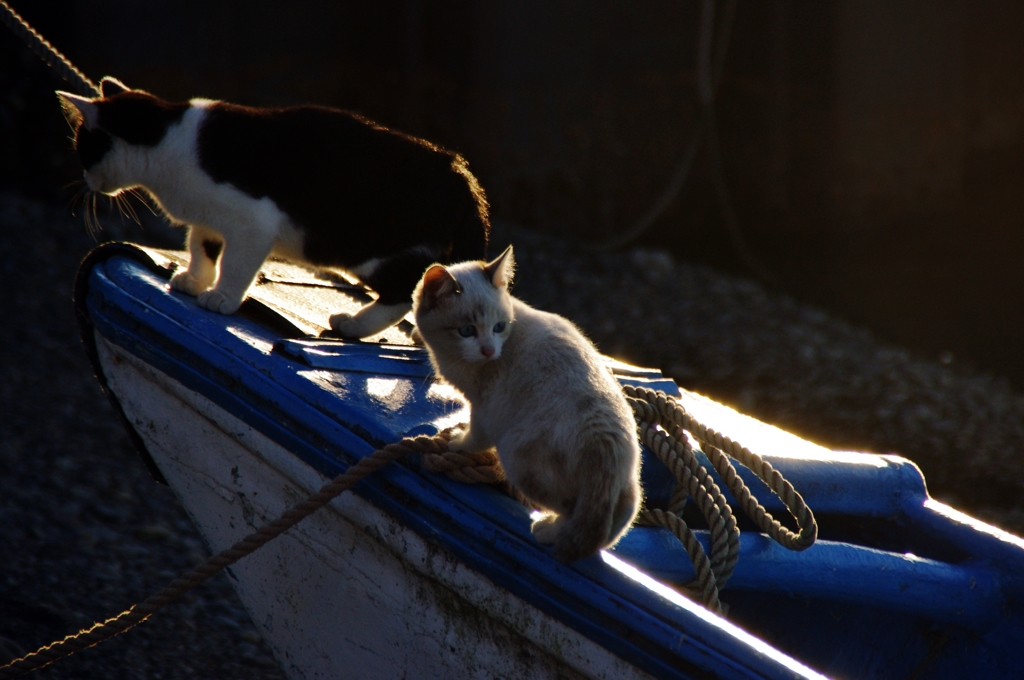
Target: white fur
{"points": [[371, 319], [250, 229], [78, 109], [541, 394]]}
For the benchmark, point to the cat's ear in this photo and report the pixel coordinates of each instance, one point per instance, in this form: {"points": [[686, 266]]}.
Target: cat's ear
{"points": [[110, 86], [499, 271], [79, 110], [438, 284]]}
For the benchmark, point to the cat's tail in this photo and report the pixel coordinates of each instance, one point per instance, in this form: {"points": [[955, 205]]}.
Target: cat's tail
{"points": [[472, 227], [605, 508]]}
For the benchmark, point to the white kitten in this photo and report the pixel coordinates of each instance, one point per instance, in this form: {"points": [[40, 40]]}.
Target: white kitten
{"points": [[540, 393]]}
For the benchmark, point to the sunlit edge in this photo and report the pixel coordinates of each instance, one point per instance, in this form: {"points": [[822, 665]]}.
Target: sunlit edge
{"points": [[768, 440], [675, 598], [261, 344], [976, 524], [447, 394], [332, 381]]}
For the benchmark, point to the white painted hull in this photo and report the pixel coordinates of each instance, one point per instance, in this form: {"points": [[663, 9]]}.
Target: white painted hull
{"points": [[349, 592]]}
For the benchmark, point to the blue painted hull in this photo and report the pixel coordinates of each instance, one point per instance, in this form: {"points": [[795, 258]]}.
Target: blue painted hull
{"points": [[897, 586]]}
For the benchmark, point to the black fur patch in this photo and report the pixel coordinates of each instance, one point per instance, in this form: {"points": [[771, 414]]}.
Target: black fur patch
{"points": [[212, 249], [135, 117], [395, 278], [138, 118], [358, 191], [92, 146]]}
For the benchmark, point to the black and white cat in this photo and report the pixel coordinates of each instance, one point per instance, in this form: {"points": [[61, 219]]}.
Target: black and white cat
{"points": [[307, 183]]}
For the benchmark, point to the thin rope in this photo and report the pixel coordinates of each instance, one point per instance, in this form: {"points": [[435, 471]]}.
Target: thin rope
{"points": [[48, 53], [662, 424], [431, 446]]}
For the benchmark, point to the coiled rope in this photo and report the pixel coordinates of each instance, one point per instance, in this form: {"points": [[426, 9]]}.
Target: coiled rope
{"points": [[79, 82], [663, 424]]}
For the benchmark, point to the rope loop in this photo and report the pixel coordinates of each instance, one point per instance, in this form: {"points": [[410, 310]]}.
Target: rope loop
{"points": [[663, 425], [707, 586]]}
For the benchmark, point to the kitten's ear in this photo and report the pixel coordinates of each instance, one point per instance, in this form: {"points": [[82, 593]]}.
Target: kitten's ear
{"points": [[500, 270], [110, 86], [79, 110], [438, 283]]}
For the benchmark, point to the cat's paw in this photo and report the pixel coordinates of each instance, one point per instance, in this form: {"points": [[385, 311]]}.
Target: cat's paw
{"points": [[547, 528], [347, 326], [371, 319], [216, 301], [188, 284]]}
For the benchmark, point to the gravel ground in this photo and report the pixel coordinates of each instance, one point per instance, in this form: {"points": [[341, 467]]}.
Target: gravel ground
{"points": [[791, 365], [86, 532]]}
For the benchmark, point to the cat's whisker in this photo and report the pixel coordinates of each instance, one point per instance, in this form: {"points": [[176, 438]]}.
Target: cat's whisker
{"points": [[115, 201], [82, 200], [462, 366], [75, 198], [131, 209], [143, 198], [126, 209], [96, 229], [87, 212]]}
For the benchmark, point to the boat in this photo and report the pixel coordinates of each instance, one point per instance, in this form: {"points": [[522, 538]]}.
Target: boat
{"points": [[416, 575]]}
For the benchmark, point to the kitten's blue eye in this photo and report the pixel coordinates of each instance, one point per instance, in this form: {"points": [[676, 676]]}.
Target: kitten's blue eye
{"points": [[467, 331], [499, 327]]}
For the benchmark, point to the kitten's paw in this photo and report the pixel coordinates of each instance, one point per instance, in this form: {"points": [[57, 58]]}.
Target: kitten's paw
{"points": [[188, 284], [216, 301], [547, 528]]}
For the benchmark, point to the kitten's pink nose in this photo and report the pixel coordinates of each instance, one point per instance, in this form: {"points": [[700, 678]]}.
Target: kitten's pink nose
{"points": [[487, 351]]}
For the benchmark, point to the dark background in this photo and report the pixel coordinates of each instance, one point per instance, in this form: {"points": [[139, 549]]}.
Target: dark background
{"points": [[872, 150], [871, 156]]}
